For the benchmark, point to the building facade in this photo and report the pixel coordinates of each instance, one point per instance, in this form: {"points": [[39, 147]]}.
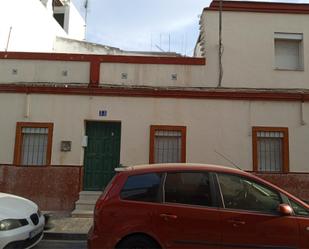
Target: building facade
{"points": [[67, 120]]}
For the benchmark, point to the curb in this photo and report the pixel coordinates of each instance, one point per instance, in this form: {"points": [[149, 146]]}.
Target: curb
{"points": [[64, 236]]}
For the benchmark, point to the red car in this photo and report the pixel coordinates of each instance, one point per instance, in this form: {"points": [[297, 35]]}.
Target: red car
{"points": [[196, 206]]}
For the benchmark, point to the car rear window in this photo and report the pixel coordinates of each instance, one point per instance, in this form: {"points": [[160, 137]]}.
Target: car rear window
{"points": [[143, 187]]}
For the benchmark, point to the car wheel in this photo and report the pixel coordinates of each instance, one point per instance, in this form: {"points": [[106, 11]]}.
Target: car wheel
{"points": [[138, 242]]}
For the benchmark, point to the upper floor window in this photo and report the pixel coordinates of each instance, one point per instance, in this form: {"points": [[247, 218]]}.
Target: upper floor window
{"points": [[270, 149], [59, 18], [289, 51], [33, 143], [167, 144]]}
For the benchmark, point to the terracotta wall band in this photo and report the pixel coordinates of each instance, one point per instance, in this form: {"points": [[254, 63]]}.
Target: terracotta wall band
{"points": [[94, 73], [263, 7], [104, 58], [158, 93]]}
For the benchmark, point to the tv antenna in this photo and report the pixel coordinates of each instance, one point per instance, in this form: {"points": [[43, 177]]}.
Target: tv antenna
{"points": [[229, 160], [8, 40], [86, 6], [158, 47]]}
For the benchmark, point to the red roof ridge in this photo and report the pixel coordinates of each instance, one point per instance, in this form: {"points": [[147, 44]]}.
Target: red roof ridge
{"points": [[263, 7]]}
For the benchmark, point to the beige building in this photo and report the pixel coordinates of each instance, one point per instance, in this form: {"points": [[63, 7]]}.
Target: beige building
{"points": [[68, 119]]}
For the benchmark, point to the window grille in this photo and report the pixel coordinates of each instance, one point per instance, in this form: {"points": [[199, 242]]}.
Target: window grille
{"points": [[167, 146], [34, 146], [270, 151]]}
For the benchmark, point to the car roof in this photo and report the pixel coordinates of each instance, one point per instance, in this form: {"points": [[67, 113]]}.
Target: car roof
{"points": [[144, 168], [166, 167]]}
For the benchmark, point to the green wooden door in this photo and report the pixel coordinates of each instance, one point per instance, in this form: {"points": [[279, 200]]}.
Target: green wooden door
{"points": [[102, 153]]}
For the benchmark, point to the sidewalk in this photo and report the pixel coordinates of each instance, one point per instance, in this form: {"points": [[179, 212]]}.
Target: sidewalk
{"points": [[64, 227]]}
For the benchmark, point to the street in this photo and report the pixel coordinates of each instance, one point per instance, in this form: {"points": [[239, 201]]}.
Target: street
{"points": [[61, 244]]}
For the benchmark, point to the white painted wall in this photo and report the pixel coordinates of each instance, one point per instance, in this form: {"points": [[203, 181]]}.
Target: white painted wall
{"points": [[48, 5], [83, 47], [77, 25], [30, 71], [156, 75], [248, 59], [220, 125], [33, 27], [38, 71]]}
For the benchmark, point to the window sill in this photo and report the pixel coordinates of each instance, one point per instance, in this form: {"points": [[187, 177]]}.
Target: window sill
{"points": [[32, 165], [286, 69], [271, 172]]}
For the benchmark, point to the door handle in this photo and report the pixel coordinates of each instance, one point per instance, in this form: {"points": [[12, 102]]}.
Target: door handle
{"points": [[168, 216], [307, 229]]}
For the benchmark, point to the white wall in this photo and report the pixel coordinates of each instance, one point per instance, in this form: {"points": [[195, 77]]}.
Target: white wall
{"points": [[33, 27], [152, 75], [30, 71], [157, 75], [221, 125], [77, 28], [248, 59], [83, 47]]}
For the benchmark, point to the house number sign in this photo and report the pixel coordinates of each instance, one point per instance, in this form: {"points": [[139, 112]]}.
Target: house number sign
{"points": [[102, 113]]}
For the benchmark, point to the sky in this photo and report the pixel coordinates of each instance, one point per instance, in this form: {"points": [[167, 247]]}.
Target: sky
{"points": [[146, 25]]}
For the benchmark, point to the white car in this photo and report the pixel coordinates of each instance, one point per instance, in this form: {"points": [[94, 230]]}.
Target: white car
{"points": [[21, 222]]}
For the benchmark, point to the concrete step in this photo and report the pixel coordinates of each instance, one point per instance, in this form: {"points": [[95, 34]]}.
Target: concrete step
{"points": [[85, 205], [82, 214], [90, 192], [89, 196], [89, 201]]}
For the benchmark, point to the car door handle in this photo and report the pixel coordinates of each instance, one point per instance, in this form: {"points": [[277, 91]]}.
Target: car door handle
{"points": [[168, 216], [237, 222]]}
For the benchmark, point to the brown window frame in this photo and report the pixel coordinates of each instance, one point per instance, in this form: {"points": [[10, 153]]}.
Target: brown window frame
{"points": [[285, 147], [154, 128], [19, 140]]}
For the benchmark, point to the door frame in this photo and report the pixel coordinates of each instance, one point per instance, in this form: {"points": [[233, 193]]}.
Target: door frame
{"points": [[82, 168]]}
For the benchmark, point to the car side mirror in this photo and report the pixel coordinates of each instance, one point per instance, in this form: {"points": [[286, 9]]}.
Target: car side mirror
{"points": [[285, 209]]}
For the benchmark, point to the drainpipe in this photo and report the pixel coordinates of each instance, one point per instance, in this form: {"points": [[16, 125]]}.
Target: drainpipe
{"points": [[302, 119], [220, 45]]}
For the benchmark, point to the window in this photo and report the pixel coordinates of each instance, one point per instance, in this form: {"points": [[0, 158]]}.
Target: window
{"points": [[167, 144], [270, 149], [33, 143], [288, 51], [188, 188], [59, 18], [142, 188], [241, 193], [298, 209]]}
